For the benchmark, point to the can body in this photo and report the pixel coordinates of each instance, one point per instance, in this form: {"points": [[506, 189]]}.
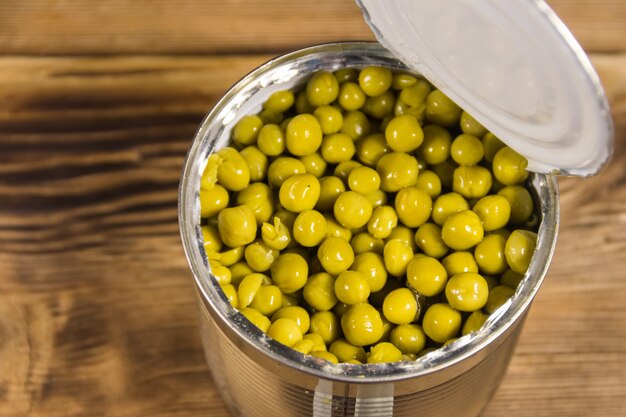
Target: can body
{"points": [[259, 377]]}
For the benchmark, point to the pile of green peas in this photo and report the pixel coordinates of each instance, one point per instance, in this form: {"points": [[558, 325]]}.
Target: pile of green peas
{"points": [[366, 218]]}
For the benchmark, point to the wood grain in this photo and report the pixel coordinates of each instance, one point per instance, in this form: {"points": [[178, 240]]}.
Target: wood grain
{"points": [[233, 26], [97, 316]]}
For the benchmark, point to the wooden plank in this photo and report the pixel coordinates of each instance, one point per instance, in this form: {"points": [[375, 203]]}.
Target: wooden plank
{"points": [[97, 316], [234, 26]]}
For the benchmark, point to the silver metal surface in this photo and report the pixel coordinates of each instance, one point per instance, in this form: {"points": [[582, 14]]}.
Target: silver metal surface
{"points": [[260, 377]]}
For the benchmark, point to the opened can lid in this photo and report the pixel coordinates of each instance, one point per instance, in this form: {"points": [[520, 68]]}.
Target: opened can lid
{"points": [[512, 65]]}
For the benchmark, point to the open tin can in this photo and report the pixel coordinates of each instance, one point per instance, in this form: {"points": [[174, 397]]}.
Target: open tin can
{"points": [[258, 376]]}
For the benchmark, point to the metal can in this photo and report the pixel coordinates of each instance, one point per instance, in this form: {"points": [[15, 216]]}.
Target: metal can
{"points": [[260, 377]]}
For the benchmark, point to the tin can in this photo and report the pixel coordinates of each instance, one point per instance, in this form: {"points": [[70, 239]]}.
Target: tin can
{"points": [[260, 377]]}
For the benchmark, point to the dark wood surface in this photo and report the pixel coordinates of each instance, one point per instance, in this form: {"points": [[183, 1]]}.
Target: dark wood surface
{"points": [[99, 102]]}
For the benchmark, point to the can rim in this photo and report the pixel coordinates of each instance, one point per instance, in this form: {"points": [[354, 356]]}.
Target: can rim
{"points": [[254, 340]]}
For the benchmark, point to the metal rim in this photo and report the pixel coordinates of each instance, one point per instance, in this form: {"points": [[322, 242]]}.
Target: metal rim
{"points": [[251, 339]]}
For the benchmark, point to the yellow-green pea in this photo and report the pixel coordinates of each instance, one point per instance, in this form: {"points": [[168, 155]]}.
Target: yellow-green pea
{"points": [[220, 272], [397, 170], [371, 148], [409, 338], [474, 322], [494, 211], [231, 295], [429, 182], [286, 217], [489, 254], [384, 352], [467, 150], [382, 222], [351, 96], [260, 256], [233, 172], [257, 162], [326, 324], [305, 346], [322, 88], [327, 356], [509, 167], [211, 238], [472, 181], [521, 202], [445, 172], [309, 229], [213, 201], [318, 341], [314, 164], [404, 133], [249, 286], [435, 148], [380, 106], [304, 135], [246, 130], [319, 291], [471, 126], [377, 198], [289, 272], [335, 254], [497, 297], [372, 266], [492, 145], [462, 230], [238, 271], [511, 278], [237, 226], [232, 256], [256, 318], [400, 306], [441, 322], [356, 125], [401, 81], [459, 262], [329, 118], [299, 192], [362, 325], [285, 331], [374, 81], [364, 242], [208, 180], [340, 308], [415, 95], [331, 188], [335, 229], [352, 210], [404, 234], [337, 147], [364, 180], [441, 110], [267, 300], [343, 170], [351, 287], [426, 275], [428, 239], [345, 351], [280, 101], [282, 168], [270, 116], [446, 205], [519, 250], [387, 328], [295, 313], [259, 198], [346, 74], [413, 206], [397, 254], [275, 236], [302, 104], [402, 108], [271, 140], [467, 291]]}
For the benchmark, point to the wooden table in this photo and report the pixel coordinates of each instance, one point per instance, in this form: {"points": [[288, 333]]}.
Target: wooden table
{"points": [[99, 102]]}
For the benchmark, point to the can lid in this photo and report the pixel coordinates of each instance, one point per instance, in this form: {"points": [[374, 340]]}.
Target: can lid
{"points": [[513, 66]]}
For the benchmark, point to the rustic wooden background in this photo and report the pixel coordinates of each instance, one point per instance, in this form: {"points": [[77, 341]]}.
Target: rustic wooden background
{"points": [[98, 104]]}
